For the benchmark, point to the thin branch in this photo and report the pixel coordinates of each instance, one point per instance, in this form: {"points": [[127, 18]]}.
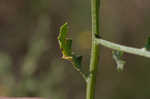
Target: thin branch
{"points": [[131, 50], [91, 82]]}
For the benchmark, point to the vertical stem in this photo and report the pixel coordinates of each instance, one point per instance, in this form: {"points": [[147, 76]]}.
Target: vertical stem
{"points": [[90, 91]]}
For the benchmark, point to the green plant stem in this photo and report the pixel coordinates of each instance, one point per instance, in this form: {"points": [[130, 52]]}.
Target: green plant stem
{"points": [[131, 50], [90, 91]]}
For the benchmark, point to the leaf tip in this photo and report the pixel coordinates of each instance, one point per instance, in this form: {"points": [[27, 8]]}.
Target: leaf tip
{"points": [[147, 45]]}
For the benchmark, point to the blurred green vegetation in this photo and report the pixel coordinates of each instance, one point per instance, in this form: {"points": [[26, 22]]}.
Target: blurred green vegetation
{"points": [[30, 58]]}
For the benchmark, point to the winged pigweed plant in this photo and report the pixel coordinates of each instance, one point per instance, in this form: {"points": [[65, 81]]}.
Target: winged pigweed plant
{"points": [[117, 53]]}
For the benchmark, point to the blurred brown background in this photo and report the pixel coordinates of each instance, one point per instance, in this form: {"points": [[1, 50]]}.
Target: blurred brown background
{"points": [[30, 58]]}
